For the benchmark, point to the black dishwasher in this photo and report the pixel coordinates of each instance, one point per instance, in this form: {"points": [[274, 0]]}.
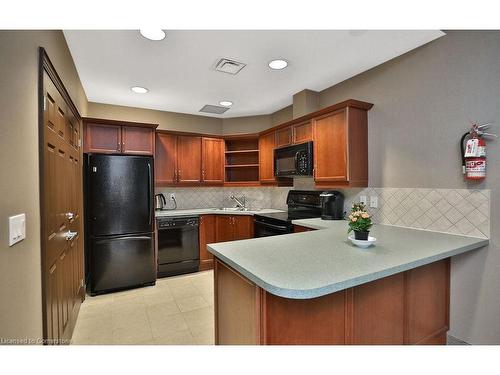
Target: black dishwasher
{"points": [[178, 246]]}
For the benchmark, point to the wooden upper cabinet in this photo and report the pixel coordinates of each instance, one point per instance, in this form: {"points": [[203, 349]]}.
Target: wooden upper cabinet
{"points": [[302, 132], [117, 137], [341, 148], [102, 138], [188, 159], [212, 160], [284, 137], [165, 159], [267, 144], [330, 147], [137, 140]]}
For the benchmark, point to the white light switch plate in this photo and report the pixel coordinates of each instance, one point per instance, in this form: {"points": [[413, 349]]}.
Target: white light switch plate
{"points": [[362, 199], [17, 228], [374, 202]]}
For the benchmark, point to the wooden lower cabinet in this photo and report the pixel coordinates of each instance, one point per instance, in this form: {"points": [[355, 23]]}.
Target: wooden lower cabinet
{"points": [[300, 228], [233, 227], [207, 235], [221, 228], [411, 307]]}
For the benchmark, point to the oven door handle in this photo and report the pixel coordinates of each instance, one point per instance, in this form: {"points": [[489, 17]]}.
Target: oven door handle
{"points": [[279, 227]]}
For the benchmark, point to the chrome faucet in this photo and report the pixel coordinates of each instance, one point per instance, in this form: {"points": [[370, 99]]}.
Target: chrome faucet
{"points": [[239, 203]]}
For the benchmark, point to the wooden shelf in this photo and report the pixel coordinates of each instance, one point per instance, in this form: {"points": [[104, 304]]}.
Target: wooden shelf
{"points": [[241, 165], [242, 152]]}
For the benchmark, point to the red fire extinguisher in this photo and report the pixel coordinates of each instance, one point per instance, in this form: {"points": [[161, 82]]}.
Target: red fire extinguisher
{"points": [[474, 152]]}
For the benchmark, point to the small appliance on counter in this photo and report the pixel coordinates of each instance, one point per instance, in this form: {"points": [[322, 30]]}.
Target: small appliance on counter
{"points": [[332, 205], [160, 202], [178, 246]]}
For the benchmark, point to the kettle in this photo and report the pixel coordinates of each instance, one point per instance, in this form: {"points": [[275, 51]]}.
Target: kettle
{"points": [[332, 205], [160, 201]]}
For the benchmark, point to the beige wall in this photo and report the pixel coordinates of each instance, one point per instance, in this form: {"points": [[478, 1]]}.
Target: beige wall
{"points": [[247, 124], [20, 272], [422, 104], [283, 115], [166, 120]]}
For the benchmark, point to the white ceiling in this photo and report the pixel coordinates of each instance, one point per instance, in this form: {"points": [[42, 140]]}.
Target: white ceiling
{"points": [[179, 73]]}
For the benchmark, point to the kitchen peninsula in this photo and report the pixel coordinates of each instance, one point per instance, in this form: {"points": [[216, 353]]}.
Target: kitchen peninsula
{"points": [[315, 287]]}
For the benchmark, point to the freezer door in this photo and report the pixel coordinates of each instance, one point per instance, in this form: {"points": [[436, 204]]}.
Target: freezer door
{"points": [[120, 192], [119, 262]]}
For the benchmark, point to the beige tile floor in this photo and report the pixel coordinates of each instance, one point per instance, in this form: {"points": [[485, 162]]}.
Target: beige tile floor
{"points": [[177, 310]]}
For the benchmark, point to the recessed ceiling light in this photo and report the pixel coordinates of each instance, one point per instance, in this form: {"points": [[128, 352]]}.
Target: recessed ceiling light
{"points": [[139, 89], [278, 64], [153, 34], [226, 103]]}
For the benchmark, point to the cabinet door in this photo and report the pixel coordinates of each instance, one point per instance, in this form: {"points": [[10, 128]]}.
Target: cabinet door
{"points": [[284, 137], [212, 170], [302, 132], [165, 159], [207, 235], [104, 139], [330, 147], [224, 228], [137, 140], [267, 143], [243, 227], [188, 159]]}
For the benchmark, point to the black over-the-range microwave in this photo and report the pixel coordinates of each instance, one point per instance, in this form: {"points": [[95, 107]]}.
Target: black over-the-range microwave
{"points": [[296, 160]]}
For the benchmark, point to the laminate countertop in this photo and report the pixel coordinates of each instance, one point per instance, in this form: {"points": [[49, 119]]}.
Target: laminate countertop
{"points": [[312, 264], [211, 211]]}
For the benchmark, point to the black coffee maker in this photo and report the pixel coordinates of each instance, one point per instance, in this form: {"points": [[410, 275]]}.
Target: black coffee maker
{"points": [[332, 205]]}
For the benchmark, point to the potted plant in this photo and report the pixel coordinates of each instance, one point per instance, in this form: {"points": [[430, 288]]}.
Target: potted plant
{"points": [[359, 221]]}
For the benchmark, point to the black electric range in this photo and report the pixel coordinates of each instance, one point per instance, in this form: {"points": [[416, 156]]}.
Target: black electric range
{"points": [[302, 204]]}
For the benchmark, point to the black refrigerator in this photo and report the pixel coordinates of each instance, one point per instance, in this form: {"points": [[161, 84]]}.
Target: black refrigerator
{"points": [[119, 222]]}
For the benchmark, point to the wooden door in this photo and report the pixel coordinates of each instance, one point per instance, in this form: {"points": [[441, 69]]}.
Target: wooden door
{"points": [[284, 137], [224, 228], [165, 159], [207, 235], [243, 227], [61, 208], [188, 159], [330, 147], [104, 139], [302, 132], [212, 168], [137, 140], [267, 143]]}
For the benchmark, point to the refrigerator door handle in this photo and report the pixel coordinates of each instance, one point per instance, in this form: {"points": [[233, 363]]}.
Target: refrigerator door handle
{"points": [[149, 193]]}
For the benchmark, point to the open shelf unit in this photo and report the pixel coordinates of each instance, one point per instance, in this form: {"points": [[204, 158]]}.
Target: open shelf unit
{"points": [[241, 160]]}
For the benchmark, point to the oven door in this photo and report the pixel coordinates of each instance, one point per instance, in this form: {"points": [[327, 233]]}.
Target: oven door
{"points": [[266, 229], [293, 160]]}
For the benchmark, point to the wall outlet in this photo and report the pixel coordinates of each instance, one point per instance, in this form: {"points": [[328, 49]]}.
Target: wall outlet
{"points": [[374, 201], [362, 199], [172, 196], [17, 229]]}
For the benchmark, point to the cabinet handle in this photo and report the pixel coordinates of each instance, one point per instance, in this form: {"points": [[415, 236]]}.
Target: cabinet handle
{"points": [[178, 175]]}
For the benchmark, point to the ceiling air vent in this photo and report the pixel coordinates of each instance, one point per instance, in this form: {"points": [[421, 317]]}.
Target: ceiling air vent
{"points": [[214, 109], [229, 66]]}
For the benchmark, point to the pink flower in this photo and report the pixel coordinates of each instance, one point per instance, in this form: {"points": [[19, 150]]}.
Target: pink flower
{"points": [[354, 219], [365, 215]]}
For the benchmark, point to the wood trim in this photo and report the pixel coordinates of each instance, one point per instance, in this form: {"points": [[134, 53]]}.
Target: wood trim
{"points": [[345, 104], [119, 122], [46, 64], [191, 134]]}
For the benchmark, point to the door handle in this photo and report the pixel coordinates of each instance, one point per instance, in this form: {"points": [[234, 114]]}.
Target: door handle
{"points": [[70, 235], [70, 215], [149, 194]]}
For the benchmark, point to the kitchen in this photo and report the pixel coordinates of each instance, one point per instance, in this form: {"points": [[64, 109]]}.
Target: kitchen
{"points": [[212, 219]]}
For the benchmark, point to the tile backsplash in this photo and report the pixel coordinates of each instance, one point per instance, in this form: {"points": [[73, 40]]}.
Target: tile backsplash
{"points": [[457, 211]]}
